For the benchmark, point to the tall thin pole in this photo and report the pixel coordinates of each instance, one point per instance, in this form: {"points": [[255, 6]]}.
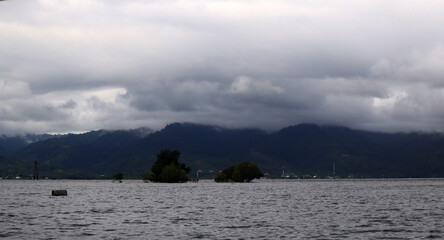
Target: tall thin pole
{"points": [[36, 171], [334, 169]]}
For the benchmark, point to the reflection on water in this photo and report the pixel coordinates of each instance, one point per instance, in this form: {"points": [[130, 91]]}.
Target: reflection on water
{"points": [[335, 209]]}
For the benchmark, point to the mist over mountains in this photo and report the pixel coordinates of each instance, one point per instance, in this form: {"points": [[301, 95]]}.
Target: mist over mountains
{"points": [[302, 149]]}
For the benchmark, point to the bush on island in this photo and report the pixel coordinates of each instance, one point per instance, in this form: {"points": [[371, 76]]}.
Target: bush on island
{"points": [[240, 172], [147, 175], [118, 176], [168, 169], [173, 174]]}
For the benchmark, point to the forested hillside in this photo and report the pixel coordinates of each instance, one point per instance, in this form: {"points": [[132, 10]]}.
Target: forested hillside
{"points": [[302, 149]]}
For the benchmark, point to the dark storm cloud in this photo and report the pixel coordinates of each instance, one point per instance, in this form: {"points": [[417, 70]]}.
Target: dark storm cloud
{"points": [[82, 65], [69, 104]]}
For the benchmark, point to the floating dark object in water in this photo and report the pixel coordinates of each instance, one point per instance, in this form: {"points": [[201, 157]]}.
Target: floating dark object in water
{"points": [[59, 193]]}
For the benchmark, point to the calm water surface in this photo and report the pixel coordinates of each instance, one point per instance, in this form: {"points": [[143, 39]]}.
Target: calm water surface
{"points": [[335, 209]]}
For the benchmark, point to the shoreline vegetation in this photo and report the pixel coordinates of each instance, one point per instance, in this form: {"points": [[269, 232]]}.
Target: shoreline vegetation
{"points": [[168, 169]]}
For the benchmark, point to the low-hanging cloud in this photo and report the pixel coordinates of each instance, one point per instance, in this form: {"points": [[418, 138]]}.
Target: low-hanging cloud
{"points": [[81, 65]]}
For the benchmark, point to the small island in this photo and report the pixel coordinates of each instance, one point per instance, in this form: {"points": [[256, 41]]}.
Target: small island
{"points": [[167, 168], [117, 177], [240, 172]]}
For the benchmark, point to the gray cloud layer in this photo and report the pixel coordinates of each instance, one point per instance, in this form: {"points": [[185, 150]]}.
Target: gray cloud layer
{"points": [[80, 65]]}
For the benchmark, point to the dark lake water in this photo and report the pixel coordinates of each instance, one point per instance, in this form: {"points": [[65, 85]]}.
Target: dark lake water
{"points": [[298, 209]]}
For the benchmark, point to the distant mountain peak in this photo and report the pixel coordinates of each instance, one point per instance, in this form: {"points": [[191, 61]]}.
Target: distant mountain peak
{"points": [[141, 132]]}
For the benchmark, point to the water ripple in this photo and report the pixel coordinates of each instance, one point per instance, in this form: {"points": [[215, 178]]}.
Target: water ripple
{"points": [[347, 209]]}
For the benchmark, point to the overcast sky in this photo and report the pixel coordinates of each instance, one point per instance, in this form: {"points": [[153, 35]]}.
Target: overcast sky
{"points": [[79, 65]]}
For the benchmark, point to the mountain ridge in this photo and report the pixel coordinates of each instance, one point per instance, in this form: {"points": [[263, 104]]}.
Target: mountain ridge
{"points": [[302, 149]]}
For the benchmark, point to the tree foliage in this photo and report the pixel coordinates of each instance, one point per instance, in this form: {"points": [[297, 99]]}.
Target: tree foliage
{"points": [[168, 169], [240, 172], [173, 173], [118, 176], [147, 175]]}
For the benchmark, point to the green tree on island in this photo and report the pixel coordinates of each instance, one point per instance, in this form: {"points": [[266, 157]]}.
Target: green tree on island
{"points": [[168, 169], [173, 174], [240, 172], [118, 176]]}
